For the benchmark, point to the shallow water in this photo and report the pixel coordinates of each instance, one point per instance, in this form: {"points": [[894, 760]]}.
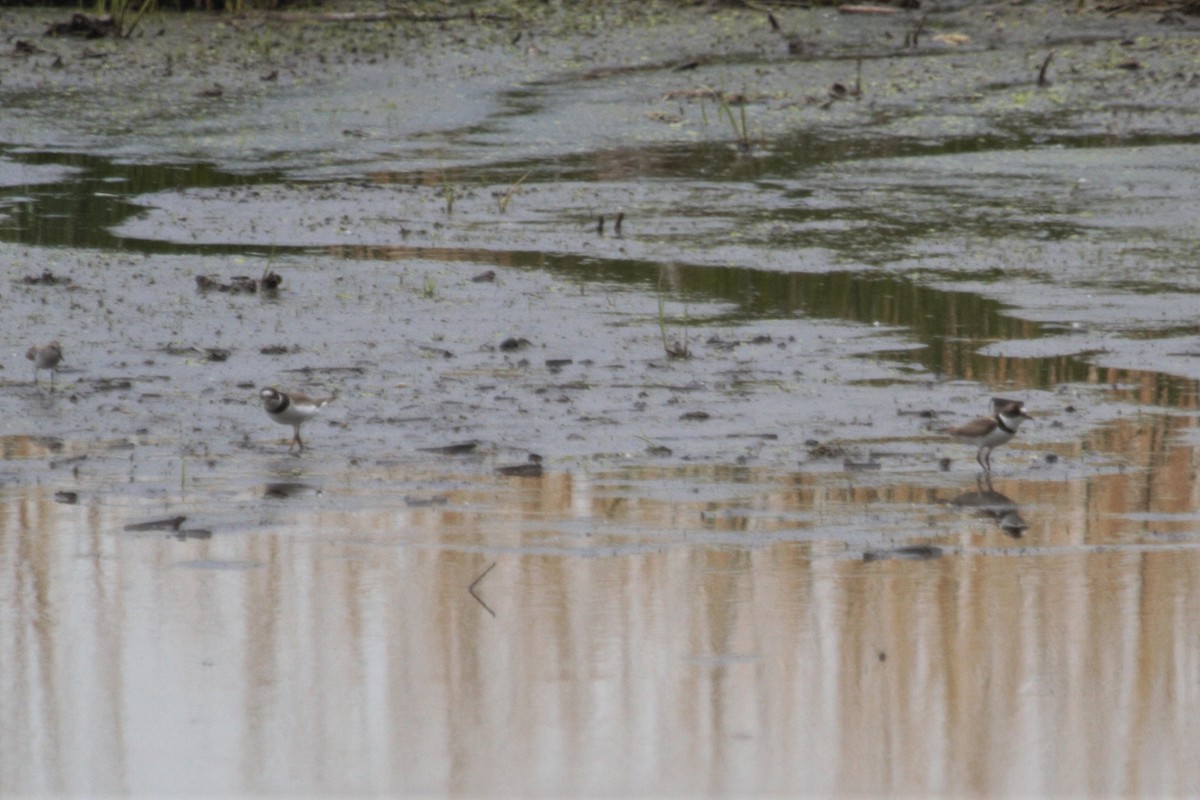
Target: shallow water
{"points": [[758, 569], [713, 629]]}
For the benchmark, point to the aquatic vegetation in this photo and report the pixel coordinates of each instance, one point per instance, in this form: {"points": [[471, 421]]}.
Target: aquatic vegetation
{"points": [[673, 348], [126, 14]]}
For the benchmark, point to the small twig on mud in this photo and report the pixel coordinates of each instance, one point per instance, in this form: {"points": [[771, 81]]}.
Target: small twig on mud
{"points": [[869, 10], [384, 16], [1042, 72], [474, 583], [511, 190]]}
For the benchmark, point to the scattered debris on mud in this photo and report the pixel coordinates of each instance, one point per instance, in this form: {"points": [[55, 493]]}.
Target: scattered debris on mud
{"points": [[241, 284], [46, 278], [85, 27], [165, 524]]}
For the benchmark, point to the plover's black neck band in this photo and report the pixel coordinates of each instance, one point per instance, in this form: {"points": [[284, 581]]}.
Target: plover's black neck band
{"points": [[285, 401], [1003, 427]]}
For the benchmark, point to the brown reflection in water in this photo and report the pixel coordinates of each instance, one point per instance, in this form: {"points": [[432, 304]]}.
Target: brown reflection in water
{"points": [[656, 631], [25, 446]]}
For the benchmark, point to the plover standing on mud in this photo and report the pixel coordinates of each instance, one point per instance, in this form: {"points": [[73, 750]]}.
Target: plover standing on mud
{"points": [[292, 408], [45, 356], [988, 433]]}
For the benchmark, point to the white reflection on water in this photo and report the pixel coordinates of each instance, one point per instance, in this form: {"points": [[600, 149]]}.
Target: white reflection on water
{"points": [[731, 641]]}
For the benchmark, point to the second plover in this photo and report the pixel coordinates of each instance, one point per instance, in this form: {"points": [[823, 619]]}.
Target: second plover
{"points": [[45, 356], [292, 408]]}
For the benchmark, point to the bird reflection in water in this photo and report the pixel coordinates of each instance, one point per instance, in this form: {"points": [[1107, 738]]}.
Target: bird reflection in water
{"points": [[987, 503]]}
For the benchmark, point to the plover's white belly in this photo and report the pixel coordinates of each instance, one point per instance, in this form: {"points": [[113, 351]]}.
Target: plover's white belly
{"points": [[294, 414]]}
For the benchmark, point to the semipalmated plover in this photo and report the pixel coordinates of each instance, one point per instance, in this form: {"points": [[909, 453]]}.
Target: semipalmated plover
{"points": [[998, 403], [292, 408], [45, 356], [988, 433]]}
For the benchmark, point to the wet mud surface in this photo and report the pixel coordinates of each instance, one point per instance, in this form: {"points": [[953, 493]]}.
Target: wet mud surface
{"points": [[693, 453]]}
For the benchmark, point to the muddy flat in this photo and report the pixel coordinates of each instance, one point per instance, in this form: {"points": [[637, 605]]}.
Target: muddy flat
{"points": [[643, 324]]}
